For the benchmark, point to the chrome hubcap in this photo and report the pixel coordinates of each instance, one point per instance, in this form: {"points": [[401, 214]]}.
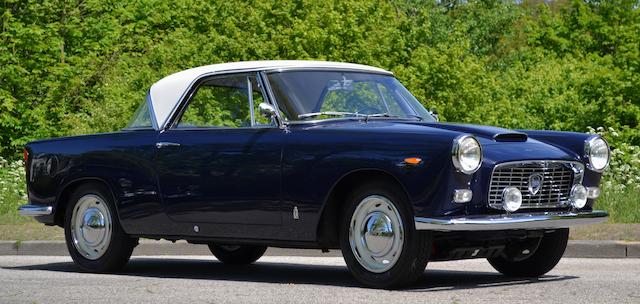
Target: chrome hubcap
{"points": [[376, 234], [91, 226]]}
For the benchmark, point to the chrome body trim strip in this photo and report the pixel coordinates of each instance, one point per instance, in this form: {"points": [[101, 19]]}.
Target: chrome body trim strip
{"points": [[526, 221], [34, 210]]}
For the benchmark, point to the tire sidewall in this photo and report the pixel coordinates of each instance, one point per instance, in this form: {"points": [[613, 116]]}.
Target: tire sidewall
{"points": [[244, 255], [548, 254]]}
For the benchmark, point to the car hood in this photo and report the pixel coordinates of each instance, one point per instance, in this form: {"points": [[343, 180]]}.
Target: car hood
{"points": [[499, 144], [492, 135]]}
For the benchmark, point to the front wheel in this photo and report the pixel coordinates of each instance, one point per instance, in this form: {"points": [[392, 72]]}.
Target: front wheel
{"points": [[94, 238], [237, 255], [546, 257], [379, 242]]}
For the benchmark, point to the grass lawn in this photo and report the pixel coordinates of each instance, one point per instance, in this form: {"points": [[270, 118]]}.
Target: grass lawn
{"points": [[13, 227], [623, 206]]}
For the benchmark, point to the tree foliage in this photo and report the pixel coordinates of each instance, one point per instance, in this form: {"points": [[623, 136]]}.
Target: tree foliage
{"points": [[75, 67]]}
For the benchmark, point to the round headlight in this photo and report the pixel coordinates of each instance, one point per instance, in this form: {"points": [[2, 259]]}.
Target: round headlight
{"points": [[596, 150], [578, 196], [466, 154], [511, 199]]}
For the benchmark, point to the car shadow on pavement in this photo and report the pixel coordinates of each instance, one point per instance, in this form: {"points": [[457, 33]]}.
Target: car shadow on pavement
{"points": [[290, 273]]}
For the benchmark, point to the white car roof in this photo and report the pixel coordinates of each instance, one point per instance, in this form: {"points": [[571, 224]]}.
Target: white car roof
{"points": [[168, 91]]}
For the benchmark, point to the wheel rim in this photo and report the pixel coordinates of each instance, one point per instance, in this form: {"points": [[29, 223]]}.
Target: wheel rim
{"points": [[91, 226], [376, 234]]}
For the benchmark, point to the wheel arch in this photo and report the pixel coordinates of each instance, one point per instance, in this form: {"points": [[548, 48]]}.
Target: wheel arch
{"points": [[62, 199], [327, 230]]}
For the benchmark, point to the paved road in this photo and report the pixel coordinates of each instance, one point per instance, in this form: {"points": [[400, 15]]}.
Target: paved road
{"points": [[201, 279]]}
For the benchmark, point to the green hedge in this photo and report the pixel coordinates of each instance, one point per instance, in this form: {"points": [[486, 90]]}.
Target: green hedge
{"points": [[75, 67]]}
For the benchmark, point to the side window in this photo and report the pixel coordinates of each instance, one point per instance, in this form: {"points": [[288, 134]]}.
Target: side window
{"points": [[229, 101]]}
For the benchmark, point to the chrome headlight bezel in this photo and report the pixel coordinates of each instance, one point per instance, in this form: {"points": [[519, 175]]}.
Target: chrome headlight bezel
{"points": [[457, 158], [589, 146]]}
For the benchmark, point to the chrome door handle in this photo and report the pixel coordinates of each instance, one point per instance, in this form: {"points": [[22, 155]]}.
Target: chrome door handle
{"points": [[164, 144]]}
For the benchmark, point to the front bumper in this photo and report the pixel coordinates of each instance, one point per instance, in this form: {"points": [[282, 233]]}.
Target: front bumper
{"points": [[526, 221], [34, 210]]}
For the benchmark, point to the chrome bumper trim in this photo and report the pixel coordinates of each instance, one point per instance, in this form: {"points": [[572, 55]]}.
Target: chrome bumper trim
{"points": [[35, 210], [528, 221]]}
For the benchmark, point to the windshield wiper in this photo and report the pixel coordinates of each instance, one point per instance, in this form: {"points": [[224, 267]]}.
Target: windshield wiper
{"points": [[315, 114], [416, 116], [391, 115], [366, 118]]}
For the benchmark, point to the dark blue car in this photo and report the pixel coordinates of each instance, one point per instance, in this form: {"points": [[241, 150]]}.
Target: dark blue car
{"points": [[303, 154]]}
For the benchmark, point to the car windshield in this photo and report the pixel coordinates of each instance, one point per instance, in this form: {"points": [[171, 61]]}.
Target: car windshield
{"points": [[312, 95]]}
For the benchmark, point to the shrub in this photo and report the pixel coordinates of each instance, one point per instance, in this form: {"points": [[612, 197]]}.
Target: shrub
{"points": [[624, 169], [12, 186]]}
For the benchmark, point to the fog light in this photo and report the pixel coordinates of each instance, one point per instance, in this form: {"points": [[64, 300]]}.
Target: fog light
{"points": [[462, 195], [578, 196], [511, 199], [593, 192]]}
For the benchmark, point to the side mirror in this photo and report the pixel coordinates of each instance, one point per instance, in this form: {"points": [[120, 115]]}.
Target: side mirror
{"points": [[266, 110], [434, 113]]}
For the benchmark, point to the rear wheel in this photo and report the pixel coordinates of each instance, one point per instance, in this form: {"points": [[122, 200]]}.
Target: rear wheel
{"points": [[379, 242], [94, 238], [546, 257], [237, 255]]}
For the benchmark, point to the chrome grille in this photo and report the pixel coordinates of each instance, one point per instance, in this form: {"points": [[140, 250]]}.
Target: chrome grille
{"points": [[557, 179]]}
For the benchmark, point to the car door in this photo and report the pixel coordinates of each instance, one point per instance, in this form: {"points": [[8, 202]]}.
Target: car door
{"points": [[219, 162]]}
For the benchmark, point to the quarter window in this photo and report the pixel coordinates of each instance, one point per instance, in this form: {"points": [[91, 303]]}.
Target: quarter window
{"points": [[142, 117]]}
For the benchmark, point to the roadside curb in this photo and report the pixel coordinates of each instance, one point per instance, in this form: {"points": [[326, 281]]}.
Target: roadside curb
{"points": [[575, 249]]}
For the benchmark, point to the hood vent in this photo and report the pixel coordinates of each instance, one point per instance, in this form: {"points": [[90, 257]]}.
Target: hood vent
{"points": [[510, 137]]}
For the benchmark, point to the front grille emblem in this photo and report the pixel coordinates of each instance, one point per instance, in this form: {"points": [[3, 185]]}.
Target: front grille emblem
{"points": [[535, 183]]}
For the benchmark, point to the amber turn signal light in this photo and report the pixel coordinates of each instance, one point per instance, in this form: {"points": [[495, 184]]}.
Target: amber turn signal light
{"points": [[413, 160]]}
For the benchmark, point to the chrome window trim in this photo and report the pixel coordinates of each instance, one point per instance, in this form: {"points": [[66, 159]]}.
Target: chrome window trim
{"points": [[252, 115], [576, 166], [154, 122]]}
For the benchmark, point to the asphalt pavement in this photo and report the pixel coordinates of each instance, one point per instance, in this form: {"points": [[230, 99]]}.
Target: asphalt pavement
{"points": [[281, 279]]}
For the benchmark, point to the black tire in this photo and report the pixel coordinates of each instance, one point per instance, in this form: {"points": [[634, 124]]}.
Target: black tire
{"points": [[237, 255], [416, 247], [546, 257], [121, 245]]}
